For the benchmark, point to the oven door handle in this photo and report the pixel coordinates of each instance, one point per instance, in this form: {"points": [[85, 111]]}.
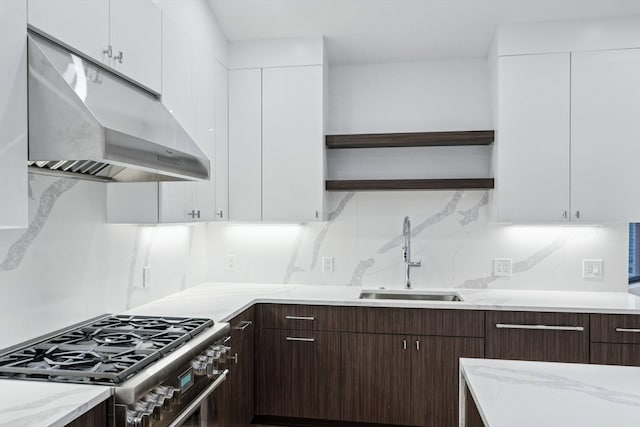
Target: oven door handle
{"points": [[189, 410]]}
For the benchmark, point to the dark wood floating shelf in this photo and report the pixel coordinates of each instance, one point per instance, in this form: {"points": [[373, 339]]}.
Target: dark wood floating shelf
{"points": [[410, 184], [415, 139]]}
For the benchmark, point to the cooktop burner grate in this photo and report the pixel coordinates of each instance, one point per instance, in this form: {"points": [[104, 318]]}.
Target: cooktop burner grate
{"points": [[108, 350]]}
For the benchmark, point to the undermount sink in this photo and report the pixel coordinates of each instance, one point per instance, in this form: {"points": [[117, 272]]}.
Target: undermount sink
{"points": [[410, 296]]}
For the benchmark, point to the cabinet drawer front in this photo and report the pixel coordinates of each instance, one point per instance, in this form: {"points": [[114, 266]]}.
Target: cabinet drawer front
{"points": [[378, 320], [620, 328], [302, 317], [615, 354], [242, 325], [451, 323], [552, 337]]}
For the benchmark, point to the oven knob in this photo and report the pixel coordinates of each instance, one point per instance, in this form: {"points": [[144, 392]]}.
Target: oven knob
{"points": [[199, 365], [134, 418], [165, 394]]}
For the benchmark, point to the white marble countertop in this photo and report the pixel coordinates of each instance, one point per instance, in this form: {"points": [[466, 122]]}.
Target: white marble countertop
{"points": [[35, 403], [26, 403], [512, 393], [222, 301]]}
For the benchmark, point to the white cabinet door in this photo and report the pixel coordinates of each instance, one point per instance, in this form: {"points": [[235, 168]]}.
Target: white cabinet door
{"points": [[605, 135], [178, 79], [81, 24], [221, 156], [292, 143], [245, 145], [13, 115], [532, 138], [136, 34]]}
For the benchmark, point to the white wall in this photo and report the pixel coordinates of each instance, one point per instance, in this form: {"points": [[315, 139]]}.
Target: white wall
{"points": [[453, 234], [409, 97]]}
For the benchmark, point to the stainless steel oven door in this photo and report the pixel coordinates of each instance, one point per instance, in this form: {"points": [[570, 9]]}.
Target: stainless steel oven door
{"points": [[204, 410]]}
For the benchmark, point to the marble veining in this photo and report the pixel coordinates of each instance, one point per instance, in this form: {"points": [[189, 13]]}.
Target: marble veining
{"points": [[30, 403], [48, 200], [332, 217], [542, 394]]}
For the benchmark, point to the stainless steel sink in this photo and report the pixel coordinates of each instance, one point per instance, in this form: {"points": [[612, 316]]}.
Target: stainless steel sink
{"points": [[409, 296]]}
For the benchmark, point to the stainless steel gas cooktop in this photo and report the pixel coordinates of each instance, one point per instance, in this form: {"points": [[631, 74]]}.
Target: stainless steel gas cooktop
{"points": [[104, 351]]}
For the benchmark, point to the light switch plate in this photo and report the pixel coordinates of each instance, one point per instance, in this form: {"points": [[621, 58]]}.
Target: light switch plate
{"points": [[146, 276], [327, 264], [502, 266], [230, 262], [592, 268]]}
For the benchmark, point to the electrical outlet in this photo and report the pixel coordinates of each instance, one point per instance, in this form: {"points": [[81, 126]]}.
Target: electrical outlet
{"points": [[592, 268], [230, 262], [502, 267], [327, 264], [146, 276]]}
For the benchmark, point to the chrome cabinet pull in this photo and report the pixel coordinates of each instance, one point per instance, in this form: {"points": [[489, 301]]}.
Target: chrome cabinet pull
{"points": [[108, 51], [301, 339], [220, 214], [245, 325], [311, 318], [404, 344], [577, 214], [628, 330], [417, 345], [539, 327], [119, 57], [564, 215]]}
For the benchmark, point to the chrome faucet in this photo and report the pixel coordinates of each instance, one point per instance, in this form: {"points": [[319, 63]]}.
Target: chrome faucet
{"points": [[406, 251]]}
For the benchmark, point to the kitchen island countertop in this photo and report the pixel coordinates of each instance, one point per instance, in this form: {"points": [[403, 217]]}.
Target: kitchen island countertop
{"points": [[511, 393]]}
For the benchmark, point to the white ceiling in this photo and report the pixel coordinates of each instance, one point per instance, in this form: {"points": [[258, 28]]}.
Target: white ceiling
{"points": [[369, 31]]}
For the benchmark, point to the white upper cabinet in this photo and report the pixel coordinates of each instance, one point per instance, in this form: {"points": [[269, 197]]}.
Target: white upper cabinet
{"points": [[221, 155], [276, 130], [532, 146], [136, 26], [605, 135], [122, 34], [13, 115], [292, 143], [81, 24], [245, 145]]}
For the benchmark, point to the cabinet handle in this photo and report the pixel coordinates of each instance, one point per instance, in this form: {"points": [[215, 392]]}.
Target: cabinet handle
{"points": [[220, 214], [627, 330], [301, 339], [226, 340], [108, 51], [539, 327], [311, 318], [417, 345], [245, 325], [194, 214], [235, 358], [404, 344], [119, 57], [577, 214], [564, 215]]}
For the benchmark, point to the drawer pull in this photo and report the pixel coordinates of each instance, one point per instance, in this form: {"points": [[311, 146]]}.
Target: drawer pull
{"points": [[301, 339], [300, 318], [627, 330], [245, 325], [539, 327]]}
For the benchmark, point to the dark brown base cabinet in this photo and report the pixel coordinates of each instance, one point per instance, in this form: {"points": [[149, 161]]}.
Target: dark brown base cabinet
{"points": [[237, 406], [298, 374], [99, 416], [615, 339]]}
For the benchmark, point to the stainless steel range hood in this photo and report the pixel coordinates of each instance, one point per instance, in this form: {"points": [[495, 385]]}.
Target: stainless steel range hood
{"points": [[89, 122]]}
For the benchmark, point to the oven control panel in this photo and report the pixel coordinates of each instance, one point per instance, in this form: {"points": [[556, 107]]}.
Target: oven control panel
{"points": [[163, 403]]}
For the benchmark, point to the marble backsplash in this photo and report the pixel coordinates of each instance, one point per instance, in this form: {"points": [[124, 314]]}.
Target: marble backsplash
{"points": [[69, 265], [452, 235]]}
